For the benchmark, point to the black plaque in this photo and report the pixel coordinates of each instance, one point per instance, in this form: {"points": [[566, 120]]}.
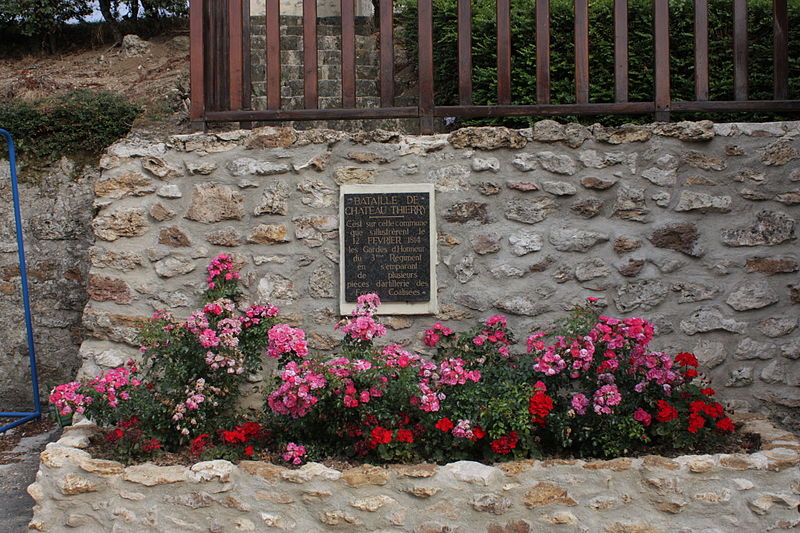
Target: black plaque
{"points": [[387, 246]]}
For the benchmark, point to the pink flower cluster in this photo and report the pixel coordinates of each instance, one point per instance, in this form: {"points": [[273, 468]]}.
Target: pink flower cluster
{"points": [[452, 372], [284, 339], [294, 453], [199, 393], [434, 334], [254, 314], [605, 398], [68, 400], [294, 397], [362, 326], [495, 334], [221, 267], [112, 384], [463, 430]]}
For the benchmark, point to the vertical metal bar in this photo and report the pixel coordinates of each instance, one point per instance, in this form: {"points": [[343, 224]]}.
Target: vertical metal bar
{"points": [[582, 51], [235, 58], [196, 74], [387, 52], [620, 50], [310, 70], [542, 51], [661, 23], [503, 52], [348, 54], [425, 29], [273, 49], [465, 52], [740, 49], [780, 48], [23, 274], [701, 50]]}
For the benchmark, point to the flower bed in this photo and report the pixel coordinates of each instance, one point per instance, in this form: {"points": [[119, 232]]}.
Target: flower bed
{"points": [[650, 494]]}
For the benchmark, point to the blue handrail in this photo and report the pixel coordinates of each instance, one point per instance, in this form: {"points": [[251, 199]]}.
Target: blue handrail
{"points": [[37, 413]]}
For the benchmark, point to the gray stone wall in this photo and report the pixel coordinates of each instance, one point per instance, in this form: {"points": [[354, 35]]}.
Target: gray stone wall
{"points": [[651, 494], [56, 210], [692, 225]]}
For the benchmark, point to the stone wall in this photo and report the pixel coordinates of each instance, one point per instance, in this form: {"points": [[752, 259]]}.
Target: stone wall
{"points": [[56, 210], [691, 225], [651, 494]]}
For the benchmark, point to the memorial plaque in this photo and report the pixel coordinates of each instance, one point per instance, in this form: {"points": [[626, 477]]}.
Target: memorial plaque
{"points": [[388, 246]]}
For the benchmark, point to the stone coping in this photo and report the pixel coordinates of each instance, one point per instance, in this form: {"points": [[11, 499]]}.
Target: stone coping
{"points": [[644, 495]]}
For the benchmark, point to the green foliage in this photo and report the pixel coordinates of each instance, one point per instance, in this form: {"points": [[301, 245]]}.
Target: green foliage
{"points": [[601, 43], [41, 17], [79, 123]]}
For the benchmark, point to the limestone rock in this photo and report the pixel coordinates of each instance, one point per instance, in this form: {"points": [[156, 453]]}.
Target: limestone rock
{"points": [[462, 212], [710, 354], [779, 153], [321, 284], [126, 184], [598, 184], [770, 228], [348, 175], [686, 130], [128, 222], [276, 288], [626, 133], [318, 163], [740, 377], [598, 160], [373, 503], [275, 199], [753, 294], [703, 161], [486, 138], [630, 204], [464, 270], [486, 243], [566, 239], [523, 243], [480, 164], [522, 186], [228, 237], [270, 137], [172, 266], [777, 326], [661, 177], [490, 503], [489, 188], [522, 305], [161, 213], [365, 475], [123, 261], [546, 493], [452, 178], [159, 167], [268, 234], [202, 168], [591, 269], [103, 289], [72, 484], [632, 267], [150, 475], [367, 157], [246, 166], [314, 230], [703, 203], [310, 472], [588, 208], [749, 349], [682, 238], [170, 191], [559, 188], [212, 203], [690, 292], [525, 162], [317, 194], [623, 245], [532, 211], [557, 164], [173, 236], [135, 46], [473, 473], [772, 265], [641, 294], [710, 319]]}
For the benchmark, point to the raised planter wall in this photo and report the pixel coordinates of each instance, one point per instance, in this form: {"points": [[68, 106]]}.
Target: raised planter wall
{"points": [[652, 494], [692, 225]]}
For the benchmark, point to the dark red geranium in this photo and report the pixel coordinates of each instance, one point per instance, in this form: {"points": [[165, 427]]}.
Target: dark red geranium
{"points": [[381, 435], [505, 444], [405, 435], [725, 424], [115, 435], [696, 422], [234, 436], [708, 391], [151, 446], [477, 433], [540, 406], [686, 359]]}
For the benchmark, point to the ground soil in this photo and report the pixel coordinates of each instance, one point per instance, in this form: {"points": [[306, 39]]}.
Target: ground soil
{"points": [[157, 80]]}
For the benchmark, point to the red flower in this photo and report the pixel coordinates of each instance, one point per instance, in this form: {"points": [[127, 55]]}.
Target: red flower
{"points": [[114, 436], [714, 410], [197, 444], [381, 435], [444, 424], [725, 424], [691, 373], [236, 435], [251, 429], [666, 412], [540, 406], [248, 450], [708, 391], [478, 433], [686, 359], [151, 446], [696, 422], [405, 435], [128, 422], [505, 444]]}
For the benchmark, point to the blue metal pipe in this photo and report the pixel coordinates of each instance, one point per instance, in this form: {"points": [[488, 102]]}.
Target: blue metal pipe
{"points": [[23, 272]]}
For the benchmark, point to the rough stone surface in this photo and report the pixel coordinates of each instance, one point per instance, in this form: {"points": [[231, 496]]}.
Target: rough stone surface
{"points": [[684, 238], [770, 228], [213, 203], [566, 239], [523, 242], [752, 295], [530, 212]]}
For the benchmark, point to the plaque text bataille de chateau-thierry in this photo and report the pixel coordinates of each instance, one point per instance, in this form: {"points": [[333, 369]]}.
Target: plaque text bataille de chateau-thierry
{"points": [[388, 246]]}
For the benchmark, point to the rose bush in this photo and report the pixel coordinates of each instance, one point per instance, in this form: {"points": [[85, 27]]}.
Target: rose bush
{"points": [[593, 389]]}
